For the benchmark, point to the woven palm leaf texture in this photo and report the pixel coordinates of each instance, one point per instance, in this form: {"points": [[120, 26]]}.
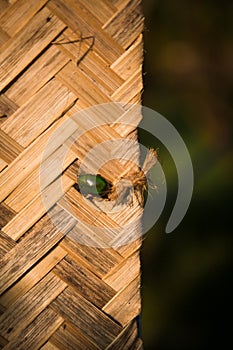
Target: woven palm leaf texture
{"points": [[70, 74]]}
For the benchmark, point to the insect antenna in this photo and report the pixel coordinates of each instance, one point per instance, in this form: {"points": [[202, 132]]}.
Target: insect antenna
{"points": [[80, 40]]}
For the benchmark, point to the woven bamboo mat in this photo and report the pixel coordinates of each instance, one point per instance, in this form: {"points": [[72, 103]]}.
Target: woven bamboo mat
{"points": [[63, 285]]}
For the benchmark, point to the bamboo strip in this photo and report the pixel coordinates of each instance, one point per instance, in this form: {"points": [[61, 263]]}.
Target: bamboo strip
{"points": [[68, 338], [126, 338], [122, 274], [3, 37], [3, 164], [102, 10], [3, 5], [39, 297], [129, 89], [37, 75], [118, 3], [6, 215], [84, 282], [6, 244], [130, 61], [19, 14], [83, 21], [32, 277], [11, 2], [129, 248], [9, 148], [7, 107], [34, 246], [93, 65], [98, 327], [19, 51], [30, 214], [125, 305], [75, 80], [50, 346], [85, 210], [98, 260], [32, 156], [128, 19], [35, 116], [3, 342], [33, 184], [37, 332]]}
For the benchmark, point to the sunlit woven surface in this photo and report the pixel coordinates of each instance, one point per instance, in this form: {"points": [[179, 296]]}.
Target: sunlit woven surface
{"points": [[58, 57]]}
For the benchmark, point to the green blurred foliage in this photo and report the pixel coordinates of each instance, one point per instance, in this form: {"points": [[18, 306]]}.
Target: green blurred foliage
{"points": [[186, 287]]}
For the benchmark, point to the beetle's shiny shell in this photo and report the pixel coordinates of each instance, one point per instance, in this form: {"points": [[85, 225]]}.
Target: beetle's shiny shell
{"points": [[92, 184]]}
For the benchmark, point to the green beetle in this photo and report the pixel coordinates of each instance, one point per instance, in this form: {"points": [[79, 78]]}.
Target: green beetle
{"points": [[94, 185], [121, 191]]}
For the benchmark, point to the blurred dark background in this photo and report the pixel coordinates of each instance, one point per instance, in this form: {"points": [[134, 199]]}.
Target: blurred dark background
{"points": [[186, 275]]}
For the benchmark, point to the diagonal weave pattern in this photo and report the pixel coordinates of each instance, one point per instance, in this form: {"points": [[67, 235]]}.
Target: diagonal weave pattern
{"points": [[57, 58]]}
